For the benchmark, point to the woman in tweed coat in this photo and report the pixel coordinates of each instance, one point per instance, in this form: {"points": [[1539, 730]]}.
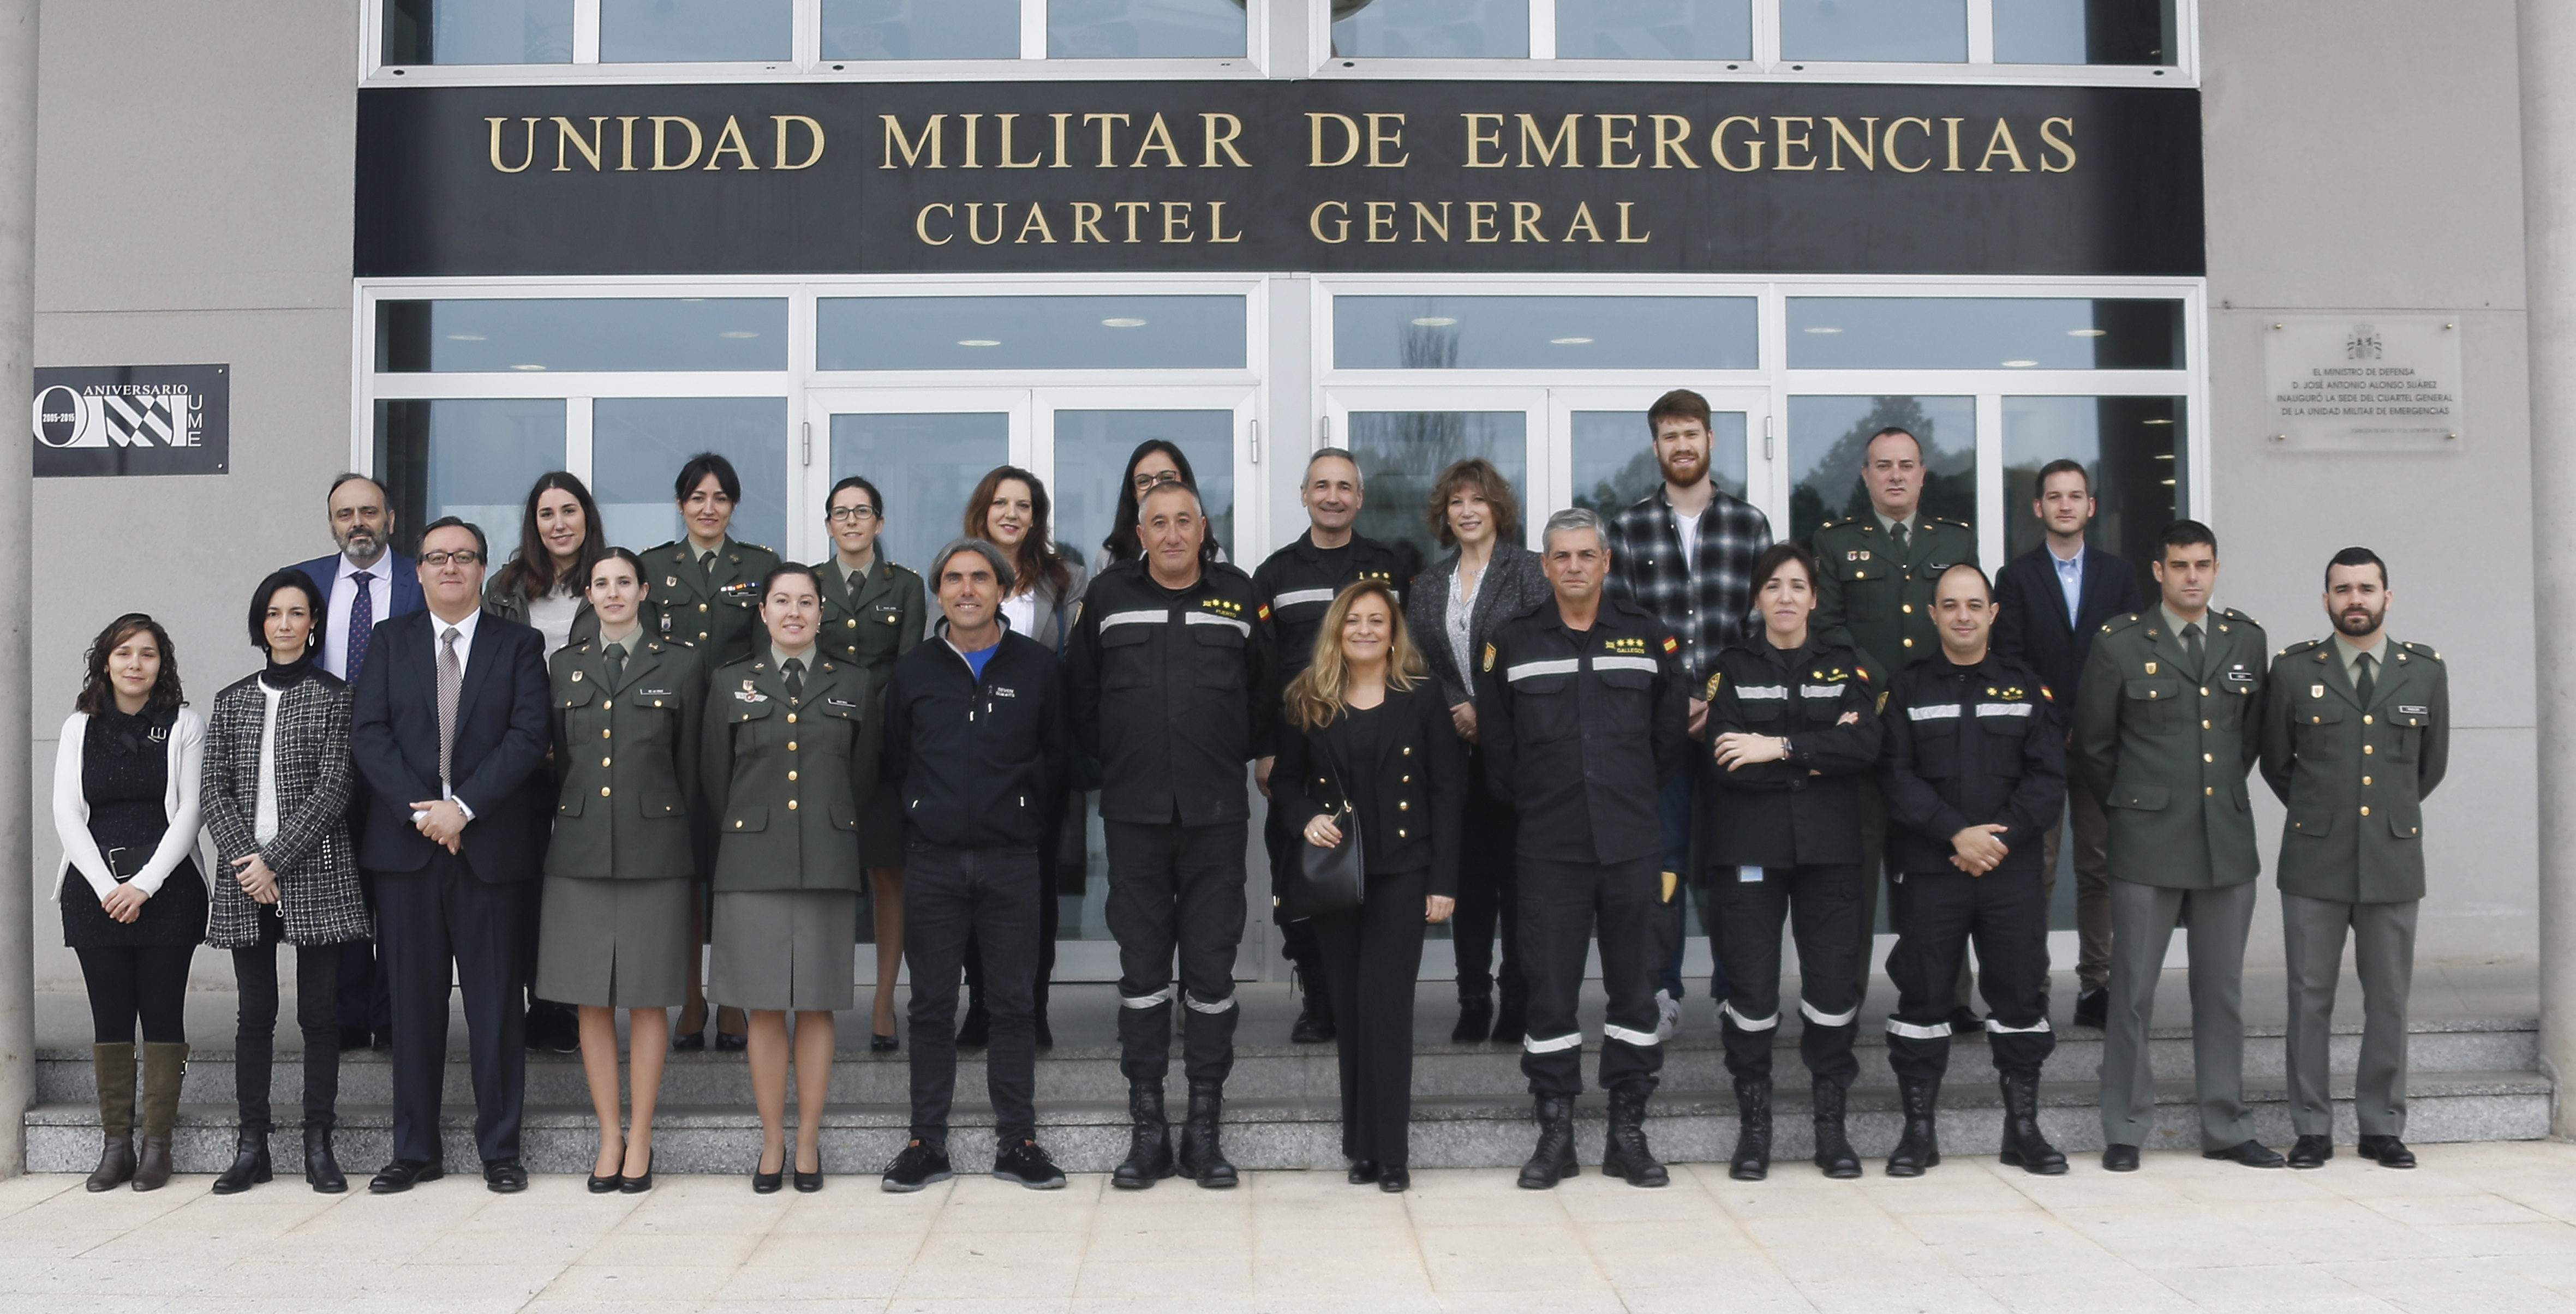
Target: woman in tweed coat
{"points": [[276, 797]]}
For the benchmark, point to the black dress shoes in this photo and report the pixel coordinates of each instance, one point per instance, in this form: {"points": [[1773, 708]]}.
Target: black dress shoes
{"points": [[639, 1184], [883, 1044], [2252, 1154], [403, 1174], [505, 1177], [2093, 1008], [1363, 1171], [1393, 1179], [2119, 1158], [605, 1185], [2312, 1152], [2387, 1152], [552, 1028]]}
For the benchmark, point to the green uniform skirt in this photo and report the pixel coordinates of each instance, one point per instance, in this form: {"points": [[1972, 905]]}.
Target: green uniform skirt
{"points": [[614, 943]]}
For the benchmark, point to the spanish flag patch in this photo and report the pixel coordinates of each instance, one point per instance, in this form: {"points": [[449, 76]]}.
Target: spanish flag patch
{"points": [[1489, 657], [1264, 613], [2044, 693], [1671, 644]]}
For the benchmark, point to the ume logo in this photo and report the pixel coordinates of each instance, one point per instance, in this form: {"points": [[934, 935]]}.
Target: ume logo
{"points": [[64, 419]]}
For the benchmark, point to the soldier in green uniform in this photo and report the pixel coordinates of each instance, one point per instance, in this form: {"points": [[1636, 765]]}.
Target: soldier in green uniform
{"points": [[2356, 731], [2167, 724], [705, 588], [873, 612], [615, 930], [1874, 587]]}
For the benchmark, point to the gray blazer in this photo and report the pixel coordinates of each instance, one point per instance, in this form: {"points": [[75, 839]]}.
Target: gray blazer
{"points": [[1512, 584], [316, 866]]}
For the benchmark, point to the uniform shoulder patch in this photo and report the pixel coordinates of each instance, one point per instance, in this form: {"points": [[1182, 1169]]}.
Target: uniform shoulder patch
{"points": [[2046, 693], [2233, 614], [1715, 678], [1264, 613], [1673, 645], [2420, 650], [1489, 657]]}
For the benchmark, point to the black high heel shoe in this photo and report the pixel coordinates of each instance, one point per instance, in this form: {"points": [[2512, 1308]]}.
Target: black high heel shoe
{"points": [[637, 1185], [729, 1043], [608, 1185], [690, 1042], [885, 1044], [768, 1183], [808, 1183]]}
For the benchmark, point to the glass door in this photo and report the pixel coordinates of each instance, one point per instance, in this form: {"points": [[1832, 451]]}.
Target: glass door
{"points": [[1605, 453]]}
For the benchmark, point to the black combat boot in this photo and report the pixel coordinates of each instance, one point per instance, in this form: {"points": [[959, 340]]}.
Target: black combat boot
{"points": [[1624, 1153], [1752, 1159], [1201, 1159], [1833, 1149], [2024, 1145], [1554, 1160], [1920, 1147], [1149, 1156]]}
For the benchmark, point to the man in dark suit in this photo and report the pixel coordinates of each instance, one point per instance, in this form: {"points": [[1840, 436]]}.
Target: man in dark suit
{"points": [[2055, 598], [449, 725], [359, 585]]}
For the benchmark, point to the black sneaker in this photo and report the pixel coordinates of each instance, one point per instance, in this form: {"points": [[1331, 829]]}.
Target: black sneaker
{"points": [[1027, 1164], [918, 1166]]}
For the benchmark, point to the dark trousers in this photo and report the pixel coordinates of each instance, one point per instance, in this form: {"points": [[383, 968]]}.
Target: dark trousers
{"points": [[366, 1001], [1821, 903], [317, 978], [1683, 809], [149, 981], [445, 918], [1175, 887], [2092, 831], [953, 898], [1488, 892], [1561, 902], [1050, 916], [1371, 955], [1296, 938], [1936, 914]]}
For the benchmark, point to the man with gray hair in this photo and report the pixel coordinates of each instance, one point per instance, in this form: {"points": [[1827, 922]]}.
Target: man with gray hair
{"points": [[974, 747], [1587, 715]]}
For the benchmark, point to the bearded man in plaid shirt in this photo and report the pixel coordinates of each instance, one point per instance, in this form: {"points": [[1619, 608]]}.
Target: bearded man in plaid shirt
{"points": [[1685, 553]]}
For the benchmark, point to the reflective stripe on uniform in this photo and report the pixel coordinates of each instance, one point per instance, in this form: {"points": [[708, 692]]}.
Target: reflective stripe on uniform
{"points": [[1197, 1007], [1646, 664], [1632, 1037], [1762, 691], [1842, 1019], [1531, 670], [1301, 597], [1534, 1045], [1743, 1023], [1998, 1028], [1159, 997], [1243, 627], [2005, 709], [1821, 690], [1917, 1031], [1116, 618], [1934, 712]]}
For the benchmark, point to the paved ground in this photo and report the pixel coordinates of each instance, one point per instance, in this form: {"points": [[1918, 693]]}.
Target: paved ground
{"points": [[2484, 1228]]}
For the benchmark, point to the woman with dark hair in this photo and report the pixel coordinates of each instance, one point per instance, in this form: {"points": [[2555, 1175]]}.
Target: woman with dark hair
{"points": [[873, 612], [277, 783], [790, 753], [560, 538], [126, 779], [615, 927], [1367, 740], [1155, 461], [1011, 510], [1453, 607]]}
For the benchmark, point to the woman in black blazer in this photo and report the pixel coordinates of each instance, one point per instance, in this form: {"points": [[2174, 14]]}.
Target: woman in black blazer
{"points": [[1452, 609], [1368, 737]]}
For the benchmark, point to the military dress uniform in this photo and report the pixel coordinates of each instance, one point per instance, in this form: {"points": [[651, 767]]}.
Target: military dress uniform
{"points": [[2354, 763], [1580, 729], [1172, 692], [1970, 746], [1296, 586], [868, 621], [2165, 738], [615, 926], [710, 602], [1874, 595], [1787, 839]]}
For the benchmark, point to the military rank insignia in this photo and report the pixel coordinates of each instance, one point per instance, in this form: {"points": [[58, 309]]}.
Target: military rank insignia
{"points": [[1631, 646], [1715, 678], [670, 581], [1489, 657], [2151, 668]]}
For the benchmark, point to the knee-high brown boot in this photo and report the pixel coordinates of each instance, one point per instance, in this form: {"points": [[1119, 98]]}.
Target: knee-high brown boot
{"points": [[113, 1068], [163, 1066]]}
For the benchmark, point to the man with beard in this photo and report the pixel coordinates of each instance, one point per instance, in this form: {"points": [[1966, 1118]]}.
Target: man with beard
{"points": [[361, 584], [2356, 731], [1684, 555], [1296, 587]]}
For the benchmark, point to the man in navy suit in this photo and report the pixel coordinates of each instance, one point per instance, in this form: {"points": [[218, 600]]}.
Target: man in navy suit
{"points": [[360, 585], [449, 725], [2054, 599]]}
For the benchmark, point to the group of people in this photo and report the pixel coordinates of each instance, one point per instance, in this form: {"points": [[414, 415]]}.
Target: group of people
{"points": [[556, 784]]}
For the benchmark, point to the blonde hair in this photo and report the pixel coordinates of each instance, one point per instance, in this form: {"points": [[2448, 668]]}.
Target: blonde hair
{"points": [[1315, 697]]}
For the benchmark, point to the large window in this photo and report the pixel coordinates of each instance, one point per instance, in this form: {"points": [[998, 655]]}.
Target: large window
{"points": [[414, 33], [1764, 34]]}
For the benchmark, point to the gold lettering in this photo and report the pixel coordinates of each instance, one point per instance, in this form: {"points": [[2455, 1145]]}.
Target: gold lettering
{"points": [[731, 140], [1381, 219], [526, 158], [1525, 222], [1315, 140], [1158, 137], [1611, 141], [2001, 143], [1131, 209], [1954, 166], [1216, 224], [811, 157], [1108, 124], [661, 157], [1481, 219], [1672, 132], [1624, 207], [1176, 222], [1007, 120], [1086, 219], [895, 141], [1548, 147], [1379, 138], [1584, 223], [1212, 141], [1478, 138], [626, 143], [921, 221], [1341, 224], [1780, 157], [2049, 141], [1062, 123], [970, 120], [1752, 148], [1890, 147], [975, 226], [1035, 223], [1865, 145], [1422, 219], [565, 132]]}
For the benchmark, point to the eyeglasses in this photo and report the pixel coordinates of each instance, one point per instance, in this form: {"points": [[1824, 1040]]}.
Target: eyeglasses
{"points": [[1145, 480], [851, 515], [468, 557]]}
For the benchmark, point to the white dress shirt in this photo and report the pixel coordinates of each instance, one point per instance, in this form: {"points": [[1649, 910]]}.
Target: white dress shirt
{"points": [[335, 645]]}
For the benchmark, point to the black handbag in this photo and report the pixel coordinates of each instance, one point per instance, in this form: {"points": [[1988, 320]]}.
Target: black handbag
{"points": [[1329, 880]]}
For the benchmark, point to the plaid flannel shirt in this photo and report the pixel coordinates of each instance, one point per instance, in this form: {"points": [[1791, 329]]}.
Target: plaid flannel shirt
{"points": [[1705, 608]]}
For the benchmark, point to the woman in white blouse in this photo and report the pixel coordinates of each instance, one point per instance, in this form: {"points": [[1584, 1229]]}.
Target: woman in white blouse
{"points": [[277, 784], [560, 539], [125, 808]]}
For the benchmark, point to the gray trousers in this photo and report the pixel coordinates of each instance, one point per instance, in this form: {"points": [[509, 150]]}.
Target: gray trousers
{"points": [[2142, 924], [2383, 952]]}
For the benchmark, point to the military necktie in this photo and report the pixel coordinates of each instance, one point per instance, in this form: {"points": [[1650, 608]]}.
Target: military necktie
{"points": [[1897, 532], [2362, 683], [795, 670], [616, 655], [2191, 646]]}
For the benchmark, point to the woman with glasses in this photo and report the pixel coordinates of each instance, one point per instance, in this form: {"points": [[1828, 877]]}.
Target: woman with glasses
{"points": [[1155, 461], [560, 538], [873, 612]]}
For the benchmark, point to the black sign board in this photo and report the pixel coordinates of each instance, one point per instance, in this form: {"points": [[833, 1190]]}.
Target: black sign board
{"points": [[1431, 176], [133, 420]]}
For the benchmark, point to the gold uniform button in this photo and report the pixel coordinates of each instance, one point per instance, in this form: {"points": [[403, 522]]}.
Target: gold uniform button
{"points": [[791, 805], [603, 791], [2204, 725], [2367, 749], [603, 761], [791, 745], [2207, 758], [2365, 720], [1909, 609], [737, 825], [852, 623], [2365, 780], [702, 634], [2204, 691], [2365, 809], [1408, 750], [606, 703], [791, 718], [1399, 834], [1909, 643], [2207, 790], [1408, 780], [791, 775], [1404, 805], [603, 734], [702, 606]]}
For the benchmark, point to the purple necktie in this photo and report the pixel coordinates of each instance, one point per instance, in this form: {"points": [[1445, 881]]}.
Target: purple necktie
{"points": [[362, 622]]}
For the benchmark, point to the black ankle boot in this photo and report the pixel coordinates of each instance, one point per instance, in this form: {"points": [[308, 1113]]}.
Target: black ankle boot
{"points": [[1752, 1159], [1200, 1157], [1510, 1016], [1624, 1153], [1314, 1024], [321, 1167], [1920, 1147], [250, 1165], [2024, 1145], [1554, 1160], [1475, 1018], [1833, 1149], [1149, 1154]]}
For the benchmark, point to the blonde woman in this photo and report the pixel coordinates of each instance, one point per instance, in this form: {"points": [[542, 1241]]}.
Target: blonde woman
{"points": [[1368, 736]]}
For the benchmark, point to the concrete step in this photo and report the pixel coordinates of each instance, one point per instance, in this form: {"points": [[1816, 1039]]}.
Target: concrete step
{"points": [[1688, 1124]]}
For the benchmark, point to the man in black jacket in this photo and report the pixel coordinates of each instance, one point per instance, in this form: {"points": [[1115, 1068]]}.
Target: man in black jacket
{"points": [[975, 746], [1170, 688], [2051, 601]]}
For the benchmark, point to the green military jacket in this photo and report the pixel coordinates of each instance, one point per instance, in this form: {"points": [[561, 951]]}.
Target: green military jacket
{"points": [[882, 623], [626, 759], [717, 612], [785, 776], [1878, 601], [2355, 775], [2167, 747]]}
